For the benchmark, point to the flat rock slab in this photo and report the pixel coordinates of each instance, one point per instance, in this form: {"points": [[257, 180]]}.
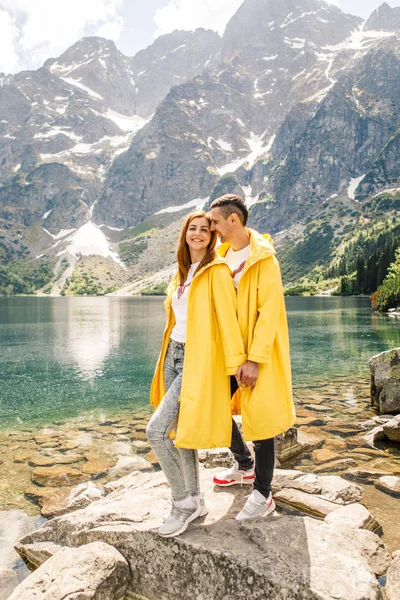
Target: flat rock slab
{"points": [[55, 459], [355, 516], [335, 465], [338, 490], [217, 557], [309, 503], [94, 571], [364, 474]]}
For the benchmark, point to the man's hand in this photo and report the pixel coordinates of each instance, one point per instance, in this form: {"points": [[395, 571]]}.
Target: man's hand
{"points": [[247, 374]]}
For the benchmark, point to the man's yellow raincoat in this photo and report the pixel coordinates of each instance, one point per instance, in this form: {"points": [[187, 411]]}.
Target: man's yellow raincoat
{"points": [[267, 410], [213, 351]]}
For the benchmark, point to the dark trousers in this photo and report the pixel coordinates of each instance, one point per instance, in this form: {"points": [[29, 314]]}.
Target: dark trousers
{"points": [[264, 451]]}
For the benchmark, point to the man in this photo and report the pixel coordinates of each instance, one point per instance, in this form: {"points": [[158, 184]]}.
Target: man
{"points": [[265, 401]]}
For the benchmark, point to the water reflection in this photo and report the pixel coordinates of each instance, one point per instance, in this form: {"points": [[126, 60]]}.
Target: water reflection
{"points": [[61, 357], [90, 330]]}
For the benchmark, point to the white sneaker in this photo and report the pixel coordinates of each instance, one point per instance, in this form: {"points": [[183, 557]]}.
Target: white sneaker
{"points": [[256, 505], [199, 499], [182, 513], [234, 476], [201, 502]]}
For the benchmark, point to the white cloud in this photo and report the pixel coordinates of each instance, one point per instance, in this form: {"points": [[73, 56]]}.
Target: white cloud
{"points": [[32, 31], [335, 2], [191, 14], [8, 36]]}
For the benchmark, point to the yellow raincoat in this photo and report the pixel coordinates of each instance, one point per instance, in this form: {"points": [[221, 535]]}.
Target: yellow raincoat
{"points": [[267, 410], [213, 351]]}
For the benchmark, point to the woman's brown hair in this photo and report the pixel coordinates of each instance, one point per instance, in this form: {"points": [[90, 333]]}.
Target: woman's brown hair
{"points": [[183, 254]]}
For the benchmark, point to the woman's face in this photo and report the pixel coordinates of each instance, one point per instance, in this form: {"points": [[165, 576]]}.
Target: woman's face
{"points": [[198, 234]]}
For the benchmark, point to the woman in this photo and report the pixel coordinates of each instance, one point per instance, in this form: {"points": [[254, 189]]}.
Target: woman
{"points": [[202, 346]]}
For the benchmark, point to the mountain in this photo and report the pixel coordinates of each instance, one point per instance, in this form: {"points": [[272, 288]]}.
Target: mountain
{"points": [[227, 116], [295, 108], [384, 18]]}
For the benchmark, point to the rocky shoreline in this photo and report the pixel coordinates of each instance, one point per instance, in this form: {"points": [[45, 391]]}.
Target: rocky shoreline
{"points": [[337, 460], [109, 549]]}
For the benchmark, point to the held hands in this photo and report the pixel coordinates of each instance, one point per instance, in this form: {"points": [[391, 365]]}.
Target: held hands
{"points": [[247, 374]]}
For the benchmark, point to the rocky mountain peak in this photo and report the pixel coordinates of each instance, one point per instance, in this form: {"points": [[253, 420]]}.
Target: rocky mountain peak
{"points": [[384, 18], [171, 60], [95, 64], [263, 21], [82, 52]]}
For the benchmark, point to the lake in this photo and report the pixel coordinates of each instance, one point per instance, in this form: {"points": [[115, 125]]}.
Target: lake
{"points": [[63, 357], [81, 368]]}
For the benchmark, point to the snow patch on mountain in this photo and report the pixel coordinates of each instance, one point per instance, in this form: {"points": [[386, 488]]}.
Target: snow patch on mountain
{"points": [[197, 204], [89, 240], [353, 185], [78, 84], [257, 147], [132, 123]]}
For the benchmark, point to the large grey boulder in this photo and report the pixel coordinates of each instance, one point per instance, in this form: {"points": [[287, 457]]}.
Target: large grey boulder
{"points": [[385, 381], [217, 557], [94, 571]]}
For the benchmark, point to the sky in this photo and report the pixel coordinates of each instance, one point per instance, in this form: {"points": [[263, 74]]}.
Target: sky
{"points": [[31, 31]]}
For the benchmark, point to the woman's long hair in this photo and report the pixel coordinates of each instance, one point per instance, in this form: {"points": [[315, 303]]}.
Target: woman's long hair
{"points": [[183, 254]]}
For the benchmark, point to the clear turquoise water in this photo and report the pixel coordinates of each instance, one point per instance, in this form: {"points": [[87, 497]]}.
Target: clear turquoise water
{"points": [[62, 357]]}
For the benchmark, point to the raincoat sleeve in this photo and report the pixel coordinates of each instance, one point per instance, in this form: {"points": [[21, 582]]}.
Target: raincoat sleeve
{"points": [[225, 310], [269, 299]]}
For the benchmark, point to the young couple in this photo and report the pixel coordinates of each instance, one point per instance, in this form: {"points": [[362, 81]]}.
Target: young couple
{"points": [[225, 350]]}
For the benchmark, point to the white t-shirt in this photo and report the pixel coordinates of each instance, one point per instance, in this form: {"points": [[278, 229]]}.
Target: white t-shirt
{"points": [[236, 260], [180, 307]]}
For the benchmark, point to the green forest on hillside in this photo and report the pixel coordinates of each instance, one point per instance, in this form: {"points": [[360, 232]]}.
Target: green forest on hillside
{"points": [[19, 275]]}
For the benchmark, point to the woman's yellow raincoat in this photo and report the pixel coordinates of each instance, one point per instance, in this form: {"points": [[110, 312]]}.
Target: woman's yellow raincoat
{"points": [[267, 410], [213, 351]]}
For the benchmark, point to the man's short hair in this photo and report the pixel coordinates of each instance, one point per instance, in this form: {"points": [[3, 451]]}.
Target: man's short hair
{"points": [[230, 203]]}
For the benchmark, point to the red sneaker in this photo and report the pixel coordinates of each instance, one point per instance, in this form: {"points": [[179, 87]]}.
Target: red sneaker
{"points": [[234, 476]]}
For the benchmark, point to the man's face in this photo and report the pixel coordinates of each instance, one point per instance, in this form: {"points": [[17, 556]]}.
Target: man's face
{"points": [[221, 225]]}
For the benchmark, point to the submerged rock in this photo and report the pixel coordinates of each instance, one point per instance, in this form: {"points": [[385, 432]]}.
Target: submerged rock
{"points": [[385, 381], [57, 476]]}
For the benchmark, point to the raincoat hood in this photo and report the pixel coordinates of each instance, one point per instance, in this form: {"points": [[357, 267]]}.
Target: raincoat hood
{"points": [[260, 247]]}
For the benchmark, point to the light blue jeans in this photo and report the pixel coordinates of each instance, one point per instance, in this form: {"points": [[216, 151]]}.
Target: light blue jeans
{"points": [[180, 466]]}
